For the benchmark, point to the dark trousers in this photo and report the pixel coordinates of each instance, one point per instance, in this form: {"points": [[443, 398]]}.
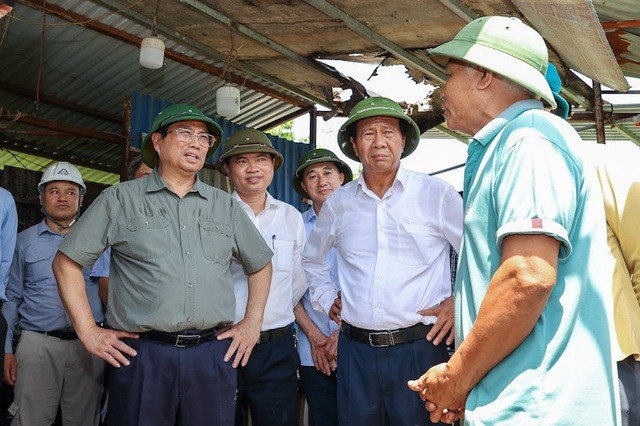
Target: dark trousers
{"points": [[320, 392], [268, 385], [629, 382], [166, 385], [372, 382]]}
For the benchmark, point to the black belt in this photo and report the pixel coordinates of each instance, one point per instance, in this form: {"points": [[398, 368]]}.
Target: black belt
{"points": [[380, 339], [276, 333], [185, 340], [69, 334]]}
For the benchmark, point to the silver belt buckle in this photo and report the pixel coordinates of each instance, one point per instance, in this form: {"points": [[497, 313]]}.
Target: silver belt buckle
{"points": [[380, 333], [187, 340]]}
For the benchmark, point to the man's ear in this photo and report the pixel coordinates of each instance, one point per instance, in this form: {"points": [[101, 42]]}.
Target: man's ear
{"points": [[155, 140], [353, 144], [225, 167], [485, 78], [341, 179]]}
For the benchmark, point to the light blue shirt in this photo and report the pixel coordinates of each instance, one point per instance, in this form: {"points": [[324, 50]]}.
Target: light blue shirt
{"points": [[320, 319], [32, 293], [8, 230], [526, 174], [101, 267]]}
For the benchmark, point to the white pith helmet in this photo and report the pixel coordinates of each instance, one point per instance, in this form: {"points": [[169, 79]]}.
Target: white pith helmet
{"points": [[62, 170]]}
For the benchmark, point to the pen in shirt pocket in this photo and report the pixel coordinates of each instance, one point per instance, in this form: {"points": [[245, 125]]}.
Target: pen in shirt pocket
{"points": [[273, 241]]}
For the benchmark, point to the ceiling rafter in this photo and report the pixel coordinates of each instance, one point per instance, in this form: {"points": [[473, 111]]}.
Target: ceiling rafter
{"points": [[274, 45], [428, 66], [171, 34], [180, 57]]}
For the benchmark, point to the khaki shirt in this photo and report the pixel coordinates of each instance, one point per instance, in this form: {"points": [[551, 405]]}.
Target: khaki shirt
{"points": [[170, 257]]}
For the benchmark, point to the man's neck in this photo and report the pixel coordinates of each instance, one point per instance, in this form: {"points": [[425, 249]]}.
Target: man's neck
{"points": [[257, 202], [59, 227], [316, 207], [179, 183], [379, 183]]}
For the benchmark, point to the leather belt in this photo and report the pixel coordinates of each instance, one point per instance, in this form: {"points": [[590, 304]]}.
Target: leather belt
{"points": [[384, 338], [276, 333], [68, 334], [185, 340]]}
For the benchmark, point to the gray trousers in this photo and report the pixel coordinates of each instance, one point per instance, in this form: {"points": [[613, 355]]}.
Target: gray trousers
{"points": [[51, 372], [629, 381]]}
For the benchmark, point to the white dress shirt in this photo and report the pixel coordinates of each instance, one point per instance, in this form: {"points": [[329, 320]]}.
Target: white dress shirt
{"points": [[282, 228], [392, 253]]}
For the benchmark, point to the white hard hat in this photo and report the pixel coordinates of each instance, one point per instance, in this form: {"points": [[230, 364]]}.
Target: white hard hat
{"points": [[62, 170]]}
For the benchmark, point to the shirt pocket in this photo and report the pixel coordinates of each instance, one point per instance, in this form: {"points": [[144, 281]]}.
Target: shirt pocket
{"points": [[283, 255], [38, 260], [147, 238], [416, 244], [216, 243]]}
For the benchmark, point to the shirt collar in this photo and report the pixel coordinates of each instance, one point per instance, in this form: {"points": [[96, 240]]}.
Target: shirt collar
{"points": [[309, 215], [492, 128], [156, 183], [43, 228], [270, 203], [401, 178]]}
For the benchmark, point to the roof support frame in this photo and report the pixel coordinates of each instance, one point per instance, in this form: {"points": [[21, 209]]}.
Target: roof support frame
{"points": [[429, 67], [284, 51]]}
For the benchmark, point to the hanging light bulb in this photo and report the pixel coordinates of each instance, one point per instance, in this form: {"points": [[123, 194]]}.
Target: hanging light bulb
{"points": [[152, 48], [152, 53], [228, 100]]}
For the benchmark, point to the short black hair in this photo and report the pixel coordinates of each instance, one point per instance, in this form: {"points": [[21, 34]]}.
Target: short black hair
{"points": [[134, 165]]}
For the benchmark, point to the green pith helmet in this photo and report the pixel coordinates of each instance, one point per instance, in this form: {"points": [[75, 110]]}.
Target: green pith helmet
{"points": [[377, 107], [248, 141], [316, 156], [506, 46], [174, 114]]}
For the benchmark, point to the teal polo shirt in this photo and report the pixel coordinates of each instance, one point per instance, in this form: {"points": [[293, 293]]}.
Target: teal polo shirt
{"points": [[170, 256], [526, 174]]}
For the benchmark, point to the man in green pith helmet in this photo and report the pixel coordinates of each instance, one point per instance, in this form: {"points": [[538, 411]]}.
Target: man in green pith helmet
{"points": [[533, 298], [318, 174], [392, 230], [171, 299], [267, 384]]}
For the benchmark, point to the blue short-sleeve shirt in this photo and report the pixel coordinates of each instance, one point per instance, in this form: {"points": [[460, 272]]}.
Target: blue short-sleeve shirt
{"points": [[526, 174]]}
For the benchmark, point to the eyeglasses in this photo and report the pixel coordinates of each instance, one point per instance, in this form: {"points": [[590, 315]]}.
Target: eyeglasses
{"points": [[186, 136]]}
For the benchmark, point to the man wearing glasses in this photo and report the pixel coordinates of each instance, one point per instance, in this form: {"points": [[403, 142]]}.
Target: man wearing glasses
{"points": [[171, 299]]}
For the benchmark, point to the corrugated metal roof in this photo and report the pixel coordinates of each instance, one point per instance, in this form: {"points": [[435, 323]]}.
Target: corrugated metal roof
{"points": [[83, 65], [108, 73]]}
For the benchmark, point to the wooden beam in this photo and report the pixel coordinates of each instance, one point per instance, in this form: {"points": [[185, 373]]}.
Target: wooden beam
{"points": [[12, 88], [428, 66], [623, 129], [73, 160], [620, 25], [123, 36], [61, 127], [271, 44]]}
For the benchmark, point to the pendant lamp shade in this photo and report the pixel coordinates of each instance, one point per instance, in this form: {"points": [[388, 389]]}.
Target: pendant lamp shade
{"points": [[152, 53], [228, 100]]}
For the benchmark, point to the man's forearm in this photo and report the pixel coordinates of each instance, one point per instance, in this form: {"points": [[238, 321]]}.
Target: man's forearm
{"points": [[305, 322], [515, 298], [73, 292]]}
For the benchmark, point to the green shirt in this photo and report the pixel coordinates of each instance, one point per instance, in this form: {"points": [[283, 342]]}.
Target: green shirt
{"points": [[170, 256]]}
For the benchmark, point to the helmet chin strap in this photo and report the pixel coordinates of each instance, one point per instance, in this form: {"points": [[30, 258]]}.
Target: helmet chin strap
{"points": [[60, 226]]}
